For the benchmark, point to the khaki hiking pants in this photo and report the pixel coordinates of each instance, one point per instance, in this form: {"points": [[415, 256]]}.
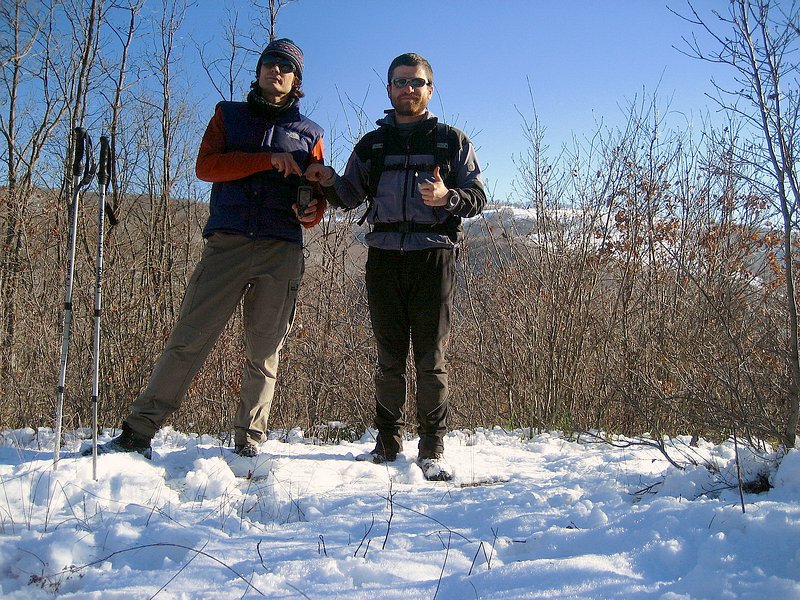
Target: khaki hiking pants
{"points": [[265, 276]]}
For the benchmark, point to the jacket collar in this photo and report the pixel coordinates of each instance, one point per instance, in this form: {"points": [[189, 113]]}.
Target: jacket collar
{"points": [[263, 108], [390, 121]]}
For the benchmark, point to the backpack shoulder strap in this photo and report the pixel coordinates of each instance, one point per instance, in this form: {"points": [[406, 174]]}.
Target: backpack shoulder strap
{"points": [[371, 150], [375, 147], [446, 150]]}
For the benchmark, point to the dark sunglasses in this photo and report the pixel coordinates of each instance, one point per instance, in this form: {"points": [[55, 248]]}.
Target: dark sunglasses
{"points": [[284, 66], [415, 82]]}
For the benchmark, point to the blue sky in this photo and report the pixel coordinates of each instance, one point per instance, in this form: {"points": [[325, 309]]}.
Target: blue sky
{"points": [[585, 61]]}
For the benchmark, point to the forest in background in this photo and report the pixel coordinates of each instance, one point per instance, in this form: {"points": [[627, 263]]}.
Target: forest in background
{"points": [[643, 282]]}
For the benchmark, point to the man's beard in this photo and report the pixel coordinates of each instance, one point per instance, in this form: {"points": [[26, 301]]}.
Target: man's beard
{"points": [[410, 108]]}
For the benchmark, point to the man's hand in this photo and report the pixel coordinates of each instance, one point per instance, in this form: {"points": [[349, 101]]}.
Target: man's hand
{"points": [[310, 213], [284, 163], [317, 173], [434, 192]]}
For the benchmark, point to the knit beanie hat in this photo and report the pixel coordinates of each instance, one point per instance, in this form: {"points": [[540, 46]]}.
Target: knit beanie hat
{"points": [[284, 48]]}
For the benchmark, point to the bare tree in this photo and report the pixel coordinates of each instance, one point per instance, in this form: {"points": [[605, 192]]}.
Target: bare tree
{"points": [[271, 9], [126, 36], [759, 40], [21, 29], [44, 76], [224, 72]]}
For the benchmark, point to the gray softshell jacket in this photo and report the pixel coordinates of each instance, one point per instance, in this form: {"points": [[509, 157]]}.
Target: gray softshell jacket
{"points": [[408, 161]]}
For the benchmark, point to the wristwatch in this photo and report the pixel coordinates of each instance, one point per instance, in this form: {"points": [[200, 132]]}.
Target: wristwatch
{"points": [[452, 200]]}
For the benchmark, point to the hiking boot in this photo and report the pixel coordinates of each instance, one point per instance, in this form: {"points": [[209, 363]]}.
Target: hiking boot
{"points": [[247, 450], [127, 441], [377, 456], [387, 447], [434, 466]]}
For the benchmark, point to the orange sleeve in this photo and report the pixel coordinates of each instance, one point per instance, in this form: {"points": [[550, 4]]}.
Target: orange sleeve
{"points": [[216, 165], [318, 156]]}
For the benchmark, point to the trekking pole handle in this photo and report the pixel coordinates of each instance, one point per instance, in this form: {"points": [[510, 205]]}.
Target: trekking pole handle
{"points": [[104, 168], [80, 148]]}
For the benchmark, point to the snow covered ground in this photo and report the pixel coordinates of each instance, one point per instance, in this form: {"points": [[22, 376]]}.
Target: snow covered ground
{"points": [[525, 518]]}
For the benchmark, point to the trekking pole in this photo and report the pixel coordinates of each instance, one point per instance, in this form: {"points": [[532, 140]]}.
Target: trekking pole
{"points": [[82, 174], [103, 177]]}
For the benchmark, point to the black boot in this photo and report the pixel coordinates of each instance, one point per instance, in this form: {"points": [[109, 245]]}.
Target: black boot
{"points": [[387, 447], [247, 450], [127, 441]]}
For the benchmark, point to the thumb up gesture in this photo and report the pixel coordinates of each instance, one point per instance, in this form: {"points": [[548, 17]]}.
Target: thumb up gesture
{"points": [[433, 191]]}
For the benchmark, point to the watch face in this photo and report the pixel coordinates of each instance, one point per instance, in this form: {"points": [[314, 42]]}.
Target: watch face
{"points": [[452, 200]]}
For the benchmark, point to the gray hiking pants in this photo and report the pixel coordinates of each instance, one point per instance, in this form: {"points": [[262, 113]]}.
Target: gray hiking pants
{"points": [[265, 276]]}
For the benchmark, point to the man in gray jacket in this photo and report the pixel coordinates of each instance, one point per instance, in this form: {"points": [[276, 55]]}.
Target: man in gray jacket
{"points": [[419, 177]]}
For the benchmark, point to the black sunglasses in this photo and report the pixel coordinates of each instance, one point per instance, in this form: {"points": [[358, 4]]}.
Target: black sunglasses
{"points": [[284, 66], [415, 82]]}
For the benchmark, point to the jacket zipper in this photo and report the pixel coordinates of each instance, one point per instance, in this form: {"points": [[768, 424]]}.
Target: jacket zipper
{"points": [[405, 193]]}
